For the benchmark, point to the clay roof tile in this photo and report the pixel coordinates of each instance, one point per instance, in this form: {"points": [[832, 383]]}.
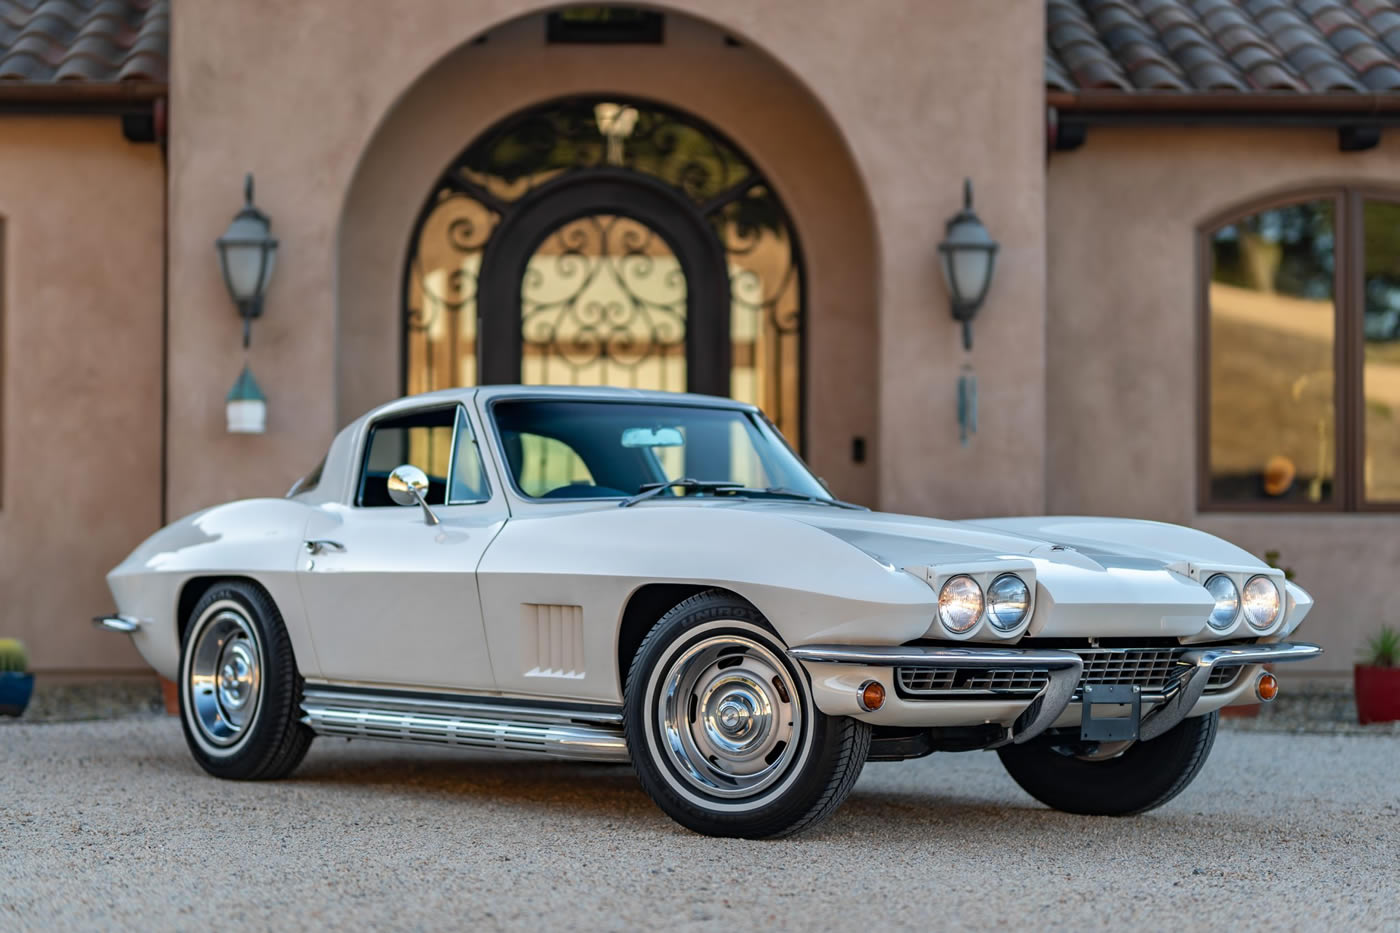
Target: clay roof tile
{"points": [[89, 41], [1318, 46]]}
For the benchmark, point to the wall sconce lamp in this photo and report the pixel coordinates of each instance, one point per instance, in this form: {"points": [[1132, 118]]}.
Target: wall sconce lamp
{"points": [[247, 255], [968, 254]]}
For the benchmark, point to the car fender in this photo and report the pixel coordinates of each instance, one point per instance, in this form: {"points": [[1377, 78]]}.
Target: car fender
{"points": [[810, 585], [257, 539]]}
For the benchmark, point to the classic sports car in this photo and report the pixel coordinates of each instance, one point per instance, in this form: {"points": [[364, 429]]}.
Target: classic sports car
{"points": [[607, 574]]}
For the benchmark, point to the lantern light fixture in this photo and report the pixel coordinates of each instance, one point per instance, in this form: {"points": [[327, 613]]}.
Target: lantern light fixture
{"points": [[247, 255], [968, 256]]}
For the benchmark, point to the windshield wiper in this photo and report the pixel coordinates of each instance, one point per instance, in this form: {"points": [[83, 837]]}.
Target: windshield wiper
{"points": [[651, 490]]}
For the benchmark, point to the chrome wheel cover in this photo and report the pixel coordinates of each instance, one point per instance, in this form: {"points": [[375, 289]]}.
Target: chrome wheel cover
{"points": [[223, 675], [730, 716]]}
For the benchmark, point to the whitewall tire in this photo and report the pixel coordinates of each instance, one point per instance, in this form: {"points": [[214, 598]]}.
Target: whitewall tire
{"points": [[722, 729]]}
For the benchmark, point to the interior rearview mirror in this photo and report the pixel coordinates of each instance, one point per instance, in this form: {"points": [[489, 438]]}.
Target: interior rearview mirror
{"points": [[652, 437]]}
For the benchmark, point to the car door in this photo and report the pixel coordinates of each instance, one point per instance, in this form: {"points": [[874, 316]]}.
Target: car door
{"points": [[391, 599]]}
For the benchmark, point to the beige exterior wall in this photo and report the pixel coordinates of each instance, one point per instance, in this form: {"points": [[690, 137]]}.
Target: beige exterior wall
{"points": [[916, 118], [80, 379], [1122, 382]]}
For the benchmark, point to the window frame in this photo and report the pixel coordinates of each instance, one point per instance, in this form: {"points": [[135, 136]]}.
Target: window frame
{"points": [[460, 421], [1348, 349], [754, 416]]}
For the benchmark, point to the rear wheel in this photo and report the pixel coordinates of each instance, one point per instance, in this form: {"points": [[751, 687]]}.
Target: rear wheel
{"points": [[240, 692], [722, 729], [1059, 773]]}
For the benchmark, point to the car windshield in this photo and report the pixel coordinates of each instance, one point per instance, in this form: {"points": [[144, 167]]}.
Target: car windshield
{"points": [[578, 449]]}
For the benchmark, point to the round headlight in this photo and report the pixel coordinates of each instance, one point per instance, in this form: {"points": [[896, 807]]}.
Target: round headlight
{"points": [[1008, 601], [1227, 601], [1261, 602], [959, 604]]}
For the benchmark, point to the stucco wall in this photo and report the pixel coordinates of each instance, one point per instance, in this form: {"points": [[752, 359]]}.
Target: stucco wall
{"points": [[82, 213], [1122, 392], [909, 88]]}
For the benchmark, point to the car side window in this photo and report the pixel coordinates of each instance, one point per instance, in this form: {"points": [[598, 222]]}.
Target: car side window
{"points": [[421, 438], [468, 473]]}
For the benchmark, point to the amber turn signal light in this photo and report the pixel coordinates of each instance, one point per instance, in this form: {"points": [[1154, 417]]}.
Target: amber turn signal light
{"points": [[872, 696], [1266, 687]]}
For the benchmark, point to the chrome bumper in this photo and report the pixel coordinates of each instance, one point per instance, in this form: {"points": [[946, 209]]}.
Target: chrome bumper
{"points": [[1065, 668], [1044, 708], [117, 623], [1179, 702]]}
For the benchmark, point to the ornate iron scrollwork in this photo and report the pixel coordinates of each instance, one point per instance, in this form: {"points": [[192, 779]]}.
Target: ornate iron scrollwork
{"points": [[603, 298]]}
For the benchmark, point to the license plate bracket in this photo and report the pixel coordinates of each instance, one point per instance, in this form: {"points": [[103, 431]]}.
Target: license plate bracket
{"points": [[1110, 728]]}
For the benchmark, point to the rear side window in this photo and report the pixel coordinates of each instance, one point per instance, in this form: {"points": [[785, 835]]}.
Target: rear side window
{"points": [[308, 482], [420, 438]]}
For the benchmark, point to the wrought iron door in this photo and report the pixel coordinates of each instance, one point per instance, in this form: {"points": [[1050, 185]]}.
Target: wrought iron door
{"points": [[605, 278], [593, 241]]}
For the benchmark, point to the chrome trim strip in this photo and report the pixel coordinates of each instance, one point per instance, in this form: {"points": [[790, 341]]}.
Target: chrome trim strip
{"points": [[1063, 667], [557, 733], [970, 658], [1191, 687], [125, 625]]}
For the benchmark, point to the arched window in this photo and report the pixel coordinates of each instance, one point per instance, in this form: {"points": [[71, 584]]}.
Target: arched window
{"points": [[605, 241], [1302, 354]]}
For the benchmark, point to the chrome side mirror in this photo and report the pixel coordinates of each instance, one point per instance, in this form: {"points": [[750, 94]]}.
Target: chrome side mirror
{"points": [[408, 485]]}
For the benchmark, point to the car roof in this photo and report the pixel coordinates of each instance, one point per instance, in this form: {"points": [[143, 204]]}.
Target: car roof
{"points": [[593, 393], [339, 469]]}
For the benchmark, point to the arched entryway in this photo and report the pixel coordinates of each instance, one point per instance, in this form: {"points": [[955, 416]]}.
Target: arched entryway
{"points": [[600, 240], [701, 76]]}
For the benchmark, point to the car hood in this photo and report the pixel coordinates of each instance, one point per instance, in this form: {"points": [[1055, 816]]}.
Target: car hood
{"points": [[1073, 540], [1095, 577]]}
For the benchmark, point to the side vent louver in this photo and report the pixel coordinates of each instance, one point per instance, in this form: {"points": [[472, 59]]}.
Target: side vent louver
{"points": [[551, 640]]}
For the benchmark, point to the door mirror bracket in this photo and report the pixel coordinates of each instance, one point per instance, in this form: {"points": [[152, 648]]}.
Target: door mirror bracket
{"points": [[408, 485]]}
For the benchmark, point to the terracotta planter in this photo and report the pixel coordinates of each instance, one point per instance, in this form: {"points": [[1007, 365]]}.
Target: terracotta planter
{"points": [[1377, 694], [15, 691], [171, 695]]}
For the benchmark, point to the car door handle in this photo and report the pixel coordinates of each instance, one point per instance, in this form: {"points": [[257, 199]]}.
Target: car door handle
{"points": [[322, 545]]}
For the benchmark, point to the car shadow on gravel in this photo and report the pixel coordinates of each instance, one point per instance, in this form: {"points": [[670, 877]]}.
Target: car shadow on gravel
{"points": [[592, 787], [612, 791]]}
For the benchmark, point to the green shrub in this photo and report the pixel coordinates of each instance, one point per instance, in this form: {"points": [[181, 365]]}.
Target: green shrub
{"points": [[13, 656], [1383, 650], [1272, 559]]}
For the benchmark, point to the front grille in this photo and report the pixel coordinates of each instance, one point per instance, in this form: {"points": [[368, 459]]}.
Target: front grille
{"points": [[1153, 670], [1223, 678], [941, 681]]}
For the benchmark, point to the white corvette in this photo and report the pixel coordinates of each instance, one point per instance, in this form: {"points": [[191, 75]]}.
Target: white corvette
{"points": [[609, 574]]}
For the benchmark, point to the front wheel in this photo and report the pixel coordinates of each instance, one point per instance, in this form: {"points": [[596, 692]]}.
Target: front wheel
{"points": [[722, 729], [1058, 773], [240, 691]]}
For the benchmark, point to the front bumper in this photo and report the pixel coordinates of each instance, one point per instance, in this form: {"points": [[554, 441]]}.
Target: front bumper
{"points": [[837, 671], [116, 622]]}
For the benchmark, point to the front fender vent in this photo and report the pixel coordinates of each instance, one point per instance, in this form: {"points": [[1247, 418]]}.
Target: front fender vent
{"points": [[551, 640]]}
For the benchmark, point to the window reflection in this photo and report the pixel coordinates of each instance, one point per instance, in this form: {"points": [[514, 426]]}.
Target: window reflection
{"points": [[1381, 372], [612, 340], [1272, 337]]}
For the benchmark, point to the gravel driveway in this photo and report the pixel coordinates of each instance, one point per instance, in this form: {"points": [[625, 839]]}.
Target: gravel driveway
{"points": [[111, 825]]}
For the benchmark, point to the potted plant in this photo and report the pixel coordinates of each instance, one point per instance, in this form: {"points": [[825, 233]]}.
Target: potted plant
{"points": [[1378, 679], [16, 684]]}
